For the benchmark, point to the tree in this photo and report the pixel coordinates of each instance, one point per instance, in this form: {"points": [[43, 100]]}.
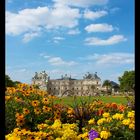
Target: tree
{"points": [[127, 81], [115, 86], [9, 82], [107, 84]]}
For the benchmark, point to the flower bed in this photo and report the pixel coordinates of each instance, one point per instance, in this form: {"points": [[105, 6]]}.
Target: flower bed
{"points": [[32, 114]]}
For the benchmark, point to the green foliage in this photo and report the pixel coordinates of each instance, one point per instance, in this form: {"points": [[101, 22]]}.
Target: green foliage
{"points": [[9, 82], [130, 101], [107, 84], [106, 99], [127, 81]]}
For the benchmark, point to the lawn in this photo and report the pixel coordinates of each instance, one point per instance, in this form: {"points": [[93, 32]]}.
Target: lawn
{"points": [[106, 99]]}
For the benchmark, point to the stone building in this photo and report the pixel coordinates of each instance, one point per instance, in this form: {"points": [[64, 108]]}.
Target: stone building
{"points": [[67, 86], [40, 79]]}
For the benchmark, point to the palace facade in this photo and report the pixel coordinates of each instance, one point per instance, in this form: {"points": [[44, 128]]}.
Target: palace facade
{"points": [[67, 86]]}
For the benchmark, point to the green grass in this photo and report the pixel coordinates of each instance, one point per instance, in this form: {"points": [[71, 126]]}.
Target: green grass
{"points": [[106, 99]]}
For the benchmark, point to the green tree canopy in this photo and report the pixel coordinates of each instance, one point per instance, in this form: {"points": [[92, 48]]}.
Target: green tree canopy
{"points": [[127, 81], [107, 83], [9, 82]]}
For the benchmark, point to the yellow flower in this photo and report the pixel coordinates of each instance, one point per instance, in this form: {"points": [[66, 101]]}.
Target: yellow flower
{"points": [[37, 138], [109, 119], [70, 111], [41, 126], [35, 103], [7, 97], [131, 114], [91, 121], [84, 135], [56, 124], [30, 138], [72, 126], [58, 139], [46, 109], [126, 121], [37, 111], [12, 137], [105, 115], [118, 116], [20, 122], [84, 129], [20, 119], [97, 139], [18, 99], [105, 134], [25, 111], [101, 121], [69, 134], [45, 101], [132, 126]]}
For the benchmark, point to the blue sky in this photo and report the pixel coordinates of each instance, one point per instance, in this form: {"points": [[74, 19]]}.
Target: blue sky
{"points": [[69, 36]]}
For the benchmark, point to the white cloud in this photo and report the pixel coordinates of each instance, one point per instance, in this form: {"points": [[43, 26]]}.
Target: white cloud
{"points": [[22, 70], [29, 36], [112, 58], [34, 20], [21, 75], [94, 14], [44, 55], [26, 20], [114, 10], [110, 41], [58, 38], [57, 61], [102, 27], [115, 75], [74, 32], [81, 3]]}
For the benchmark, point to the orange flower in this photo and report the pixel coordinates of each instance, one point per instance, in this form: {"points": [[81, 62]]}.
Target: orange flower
{"points": [[57, 117], [57, 113], [114, 105], [7, 98], [45, 101], [35, 103], [20, 122], [108, 105], [70, 111], [18, 99], [20, 116], [46, 109], [31, 138], [100, 112], [37, 111], [26, 93], [121, 108], [25, 111], [20, 119]]}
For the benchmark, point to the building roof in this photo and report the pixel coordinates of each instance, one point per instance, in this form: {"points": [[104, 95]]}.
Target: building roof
{"points": [[91, 76]]}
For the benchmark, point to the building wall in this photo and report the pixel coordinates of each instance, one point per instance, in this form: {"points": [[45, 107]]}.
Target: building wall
{"points": [[68, 87]]}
